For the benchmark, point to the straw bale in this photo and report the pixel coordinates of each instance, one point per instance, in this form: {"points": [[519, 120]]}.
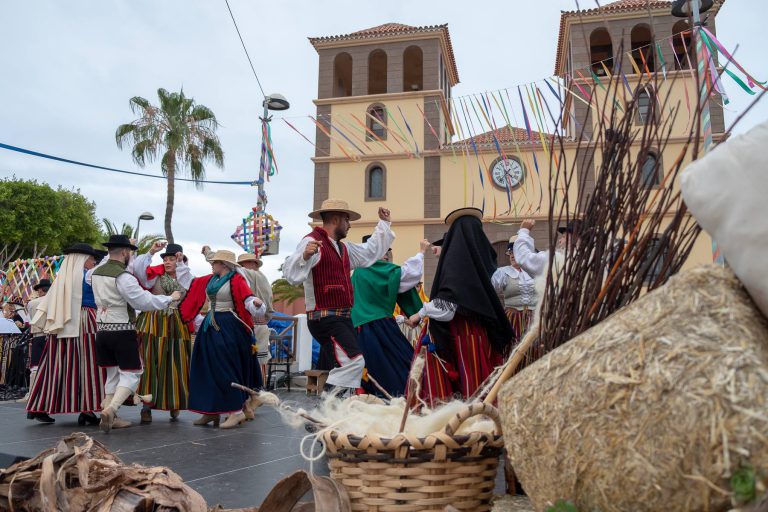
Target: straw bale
{"points": [[652, 409]]}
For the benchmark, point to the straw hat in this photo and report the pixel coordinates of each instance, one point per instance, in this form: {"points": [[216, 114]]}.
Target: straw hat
{"points": [[249, 257], [225, 256], [461, 212], [334, 205]]}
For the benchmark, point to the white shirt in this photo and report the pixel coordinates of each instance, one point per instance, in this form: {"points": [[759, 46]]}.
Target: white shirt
{"points": [[430, 310], [297, 271], [130, 290], [534, 263], [411, 272]]}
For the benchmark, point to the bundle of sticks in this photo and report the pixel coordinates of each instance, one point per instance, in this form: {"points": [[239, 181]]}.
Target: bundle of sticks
{"points": [[634, 229]]}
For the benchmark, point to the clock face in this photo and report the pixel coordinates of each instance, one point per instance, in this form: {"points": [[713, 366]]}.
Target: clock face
{"points": [[507, 173]]}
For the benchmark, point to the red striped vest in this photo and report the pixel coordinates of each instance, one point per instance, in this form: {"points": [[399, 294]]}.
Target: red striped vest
{"points": [[330, 277]]}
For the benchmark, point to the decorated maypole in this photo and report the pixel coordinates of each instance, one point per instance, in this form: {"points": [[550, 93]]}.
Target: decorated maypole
{"points": [[259, 232]]}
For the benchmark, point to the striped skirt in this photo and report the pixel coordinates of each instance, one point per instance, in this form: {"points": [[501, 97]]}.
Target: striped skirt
{"points": [[68, 380], [166, 348], [520, 321], [473, 360]]}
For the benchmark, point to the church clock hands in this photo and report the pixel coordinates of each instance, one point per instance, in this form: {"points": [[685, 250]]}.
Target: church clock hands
{"points": [[507, 172]]}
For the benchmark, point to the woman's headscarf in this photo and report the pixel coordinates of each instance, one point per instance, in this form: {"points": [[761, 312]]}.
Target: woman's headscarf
{"points": [[462, 283], [59, 311]]}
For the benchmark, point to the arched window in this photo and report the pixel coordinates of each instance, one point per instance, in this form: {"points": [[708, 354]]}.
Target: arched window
{"points": [[601, 50], [681, 41], [642, 47], [646, 106], [413, 69], [377, 122], [650, 172], [342, 75], [377, 72], [375, 182]]}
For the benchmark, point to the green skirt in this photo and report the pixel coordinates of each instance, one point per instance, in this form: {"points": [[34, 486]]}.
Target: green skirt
{"points": [[166, 348]]}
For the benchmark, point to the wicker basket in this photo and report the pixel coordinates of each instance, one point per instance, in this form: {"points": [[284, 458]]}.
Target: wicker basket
{"points": [[408, 473]]}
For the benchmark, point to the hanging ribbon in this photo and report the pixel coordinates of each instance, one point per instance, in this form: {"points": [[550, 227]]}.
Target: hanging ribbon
{"points": [[326, 132], [437, 137], [410, 132], [304, 137], [752, 81], [662, 61], [371, 133]]}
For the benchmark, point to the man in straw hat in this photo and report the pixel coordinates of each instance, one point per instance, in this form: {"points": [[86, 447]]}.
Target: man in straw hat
{"points": [[118, 295], [164, 338], [468, 331], [322, 262]]}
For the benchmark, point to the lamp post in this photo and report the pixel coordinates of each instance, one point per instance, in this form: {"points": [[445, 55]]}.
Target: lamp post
{"points": [[143, 216], [275, 102], [694, 8]]}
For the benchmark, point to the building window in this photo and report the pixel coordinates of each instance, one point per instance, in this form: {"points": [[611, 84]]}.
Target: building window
{"points": [[377, 122], [377, 72], [650, 172], [654, 265], [342, 75], [601, 51], [681, 40], [375, 182], [642, 48], [413, 69], [646, 107]]}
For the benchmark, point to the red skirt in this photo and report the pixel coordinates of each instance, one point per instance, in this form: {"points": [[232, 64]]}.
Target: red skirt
{"points": [[520, 321], [473, 361]]}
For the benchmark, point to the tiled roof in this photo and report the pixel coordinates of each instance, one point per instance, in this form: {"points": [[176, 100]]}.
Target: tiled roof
{"points": [[619, 6], [505, 136], [395, 29]]}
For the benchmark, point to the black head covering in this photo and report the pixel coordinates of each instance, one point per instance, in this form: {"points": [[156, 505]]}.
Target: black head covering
{"points": [[463, 283]]}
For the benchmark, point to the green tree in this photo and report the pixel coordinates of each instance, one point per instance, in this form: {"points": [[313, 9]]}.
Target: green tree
{"points": [[283, 290], [144, 244], [36, 220], [181, 132]]}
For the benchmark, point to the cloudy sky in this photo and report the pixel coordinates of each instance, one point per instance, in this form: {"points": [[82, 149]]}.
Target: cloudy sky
{"points": [[69, 68]]}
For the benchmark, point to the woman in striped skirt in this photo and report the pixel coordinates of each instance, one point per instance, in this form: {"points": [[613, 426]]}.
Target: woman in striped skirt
{"points": [[68, 380], [518, 291], [468, 333], [165, 339]]}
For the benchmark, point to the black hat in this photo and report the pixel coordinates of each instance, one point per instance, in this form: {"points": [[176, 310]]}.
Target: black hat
{"points": [[171, 250], [119, 241], [439, 243], [100, 254], [81, 248], [573, 226], [43, 283]]}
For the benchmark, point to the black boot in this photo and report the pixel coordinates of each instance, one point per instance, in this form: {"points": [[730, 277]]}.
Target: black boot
{"points": [[88, 418], [43, 417]]}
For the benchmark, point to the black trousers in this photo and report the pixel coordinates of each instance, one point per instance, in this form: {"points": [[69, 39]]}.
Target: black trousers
{"points": [[329, 329]]}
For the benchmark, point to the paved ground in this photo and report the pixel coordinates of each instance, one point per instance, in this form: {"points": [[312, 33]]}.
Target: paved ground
{"points": [[235, 468]]}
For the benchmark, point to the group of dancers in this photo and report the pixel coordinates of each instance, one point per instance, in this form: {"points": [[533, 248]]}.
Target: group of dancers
{"points": [[476, 313], [113, 328]]}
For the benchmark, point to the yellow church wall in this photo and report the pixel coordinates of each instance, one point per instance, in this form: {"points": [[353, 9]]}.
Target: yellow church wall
{"points": [[407, 238], [404, 187], [342, 117], [670, 96], [460, 184]]}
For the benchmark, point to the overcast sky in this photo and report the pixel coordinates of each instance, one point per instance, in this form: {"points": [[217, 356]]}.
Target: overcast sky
{"points": [[69, 68]]}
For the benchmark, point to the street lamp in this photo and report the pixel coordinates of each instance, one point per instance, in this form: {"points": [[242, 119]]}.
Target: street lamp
{"points": [[143, 216], [275, 102]]}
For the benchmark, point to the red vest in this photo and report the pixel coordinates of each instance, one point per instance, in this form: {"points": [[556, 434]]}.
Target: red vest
{"points": [[330, 277]]}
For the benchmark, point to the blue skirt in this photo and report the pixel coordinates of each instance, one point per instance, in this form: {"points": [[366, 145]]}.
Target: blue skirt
{"points": [[388, 355], [220, 358]]}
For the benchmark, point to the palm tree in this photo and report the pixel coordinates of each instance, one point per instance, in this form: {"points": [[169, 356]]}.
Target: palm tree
{"points": [[183, 131], [283, 290], [144, 244]]}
